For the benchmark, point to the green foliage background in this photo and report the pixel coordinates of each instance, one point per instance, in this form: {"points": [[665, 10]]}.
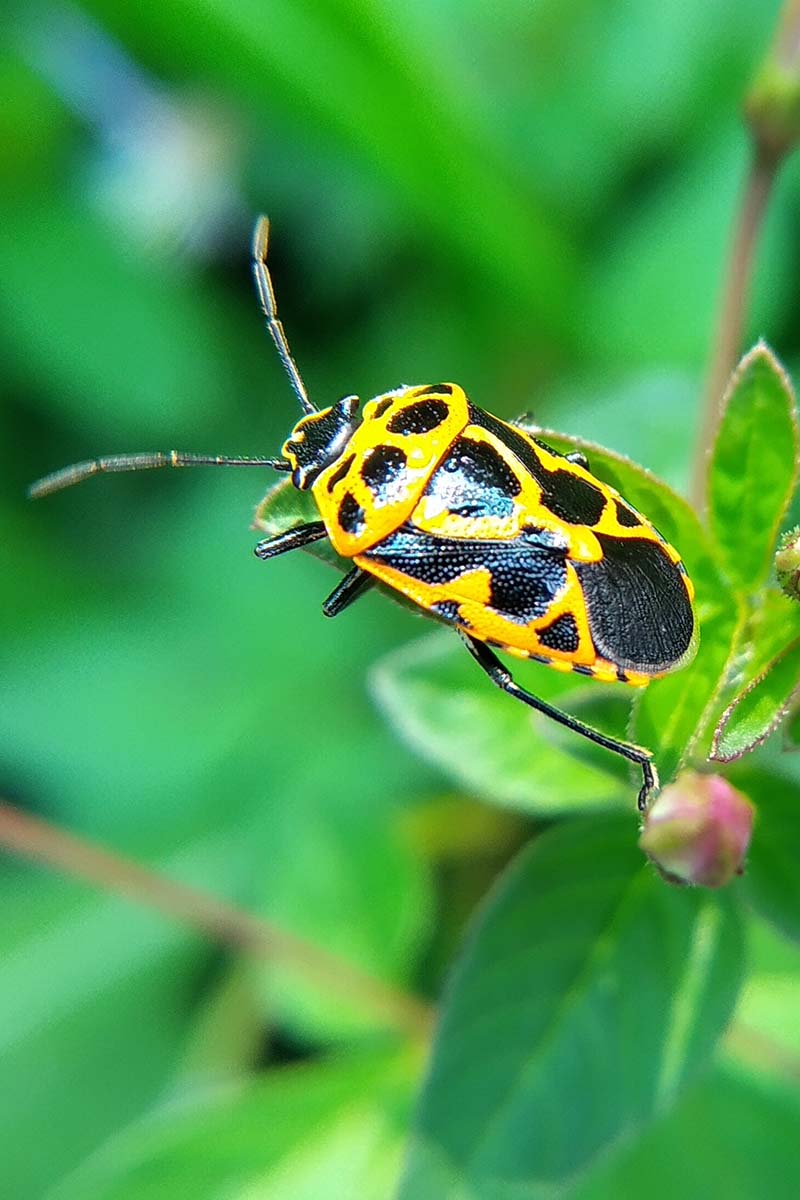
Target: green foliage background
{"points": [[535, 201]]}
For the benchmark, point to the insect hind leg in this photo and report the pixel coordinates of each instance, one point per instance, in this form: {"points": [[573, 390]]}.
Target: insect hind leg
{"points": [[488, 661]]}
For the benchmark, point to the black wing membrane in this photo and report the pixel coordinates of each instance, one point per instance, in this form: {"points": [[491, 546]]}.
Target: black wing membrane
{"points": [[639, 611]]}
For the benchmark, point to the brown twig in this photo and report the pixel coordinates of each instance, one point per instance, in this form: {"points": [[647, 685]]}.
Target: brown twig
{"points": [[38, 840]]}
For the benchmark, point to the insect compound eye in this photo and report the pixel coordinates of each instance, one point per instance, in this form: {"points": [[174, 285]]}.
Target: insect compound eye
{"points": [[318, 440]]}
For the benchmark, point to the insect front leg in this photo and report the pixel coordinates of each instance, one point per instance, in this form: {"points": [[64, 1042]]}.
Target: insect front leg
{"points": [[293, 539], [502, 678]]}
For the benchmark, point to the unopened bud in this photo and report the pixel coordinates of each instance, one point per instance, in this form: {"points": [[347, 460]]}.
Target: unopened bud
{"points": [[787, 563], [772, 104], [698, 830]]}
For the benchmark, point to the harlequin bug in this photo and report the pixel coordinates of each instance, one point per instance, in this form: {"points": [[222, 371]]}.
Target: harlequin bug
{"points": [[477, 522]]}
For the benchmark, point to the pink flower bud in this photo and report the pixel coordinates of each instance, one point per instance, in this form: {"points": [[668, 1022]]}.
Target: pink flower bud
{"points": [[698, 830]]}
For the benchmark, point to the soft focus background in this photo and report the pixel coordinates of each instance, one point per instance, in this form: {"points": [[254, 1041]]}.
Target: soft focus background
{"points": [[532, 200]]}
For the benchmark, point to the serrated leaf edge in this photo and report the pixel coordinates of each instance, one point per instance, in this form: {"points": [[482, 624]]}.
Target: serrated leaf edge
{"points": [[763, 351], [716, 754]]}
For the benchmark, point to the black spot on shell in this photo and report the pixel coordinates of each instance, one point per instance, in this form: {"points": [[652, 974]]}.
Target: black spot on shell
{"points": [[340, 472], [383, 473], [421, 417], [567, 496], [351, 515], [626, 516], [561, 635], [572, 499], [381, 407], [436, 389]]}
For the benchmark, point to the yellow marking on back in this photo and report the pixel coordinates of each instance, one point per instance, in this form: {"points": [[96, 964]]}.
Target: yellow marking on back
{"points": [[423, 452]]}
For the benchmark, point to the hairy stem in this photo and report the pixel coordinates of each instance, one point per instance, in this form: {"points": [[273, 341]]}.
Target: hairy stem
{"points": [[38, 840]]}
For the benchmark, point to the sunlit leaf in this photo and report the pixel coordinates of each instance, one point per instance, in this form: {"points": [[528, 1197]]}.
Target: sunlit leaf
{"points": [[580, 954], [331, 1131], [753, 467]]}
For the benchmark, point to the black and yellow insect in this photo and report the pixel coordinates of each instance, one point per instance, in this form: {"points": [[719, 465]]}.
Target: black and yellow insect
{"points": [[480, 524]]}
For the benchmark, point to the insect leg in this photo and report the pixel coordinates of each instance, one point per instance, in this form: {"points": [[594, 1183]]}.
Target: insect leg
{"points": [[293, 539], [354, 584], [490, 663]]}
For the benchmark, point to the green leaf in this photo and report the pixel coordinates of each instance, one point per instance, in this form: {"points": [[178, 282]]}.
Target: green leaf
{"points": [[772, 880], [672, 711], [90, 980], [768, 1007], [753, 467], [759, 709], [769, 627], [765, 1031], [650, 290], [350, 883], [733, 1135], [135, 344], [449, 712], [791, 731], [331, 1131], [587, 995]]}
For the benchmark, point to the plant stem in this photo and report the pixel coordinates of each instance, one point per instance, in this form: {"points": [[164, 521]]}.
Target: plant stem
{"points": [[730, 323], [38, 840], [771, 110]]}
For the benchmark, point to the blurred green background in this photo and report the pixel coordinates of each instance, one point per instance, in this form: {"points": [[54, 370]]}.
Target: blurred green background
{"points": [[532, 200]]}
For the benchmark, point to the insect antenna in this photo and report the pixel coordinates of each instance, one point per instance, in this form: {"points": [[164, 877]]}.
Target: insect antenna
{"points": [[266, 296], [144, 462]]}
